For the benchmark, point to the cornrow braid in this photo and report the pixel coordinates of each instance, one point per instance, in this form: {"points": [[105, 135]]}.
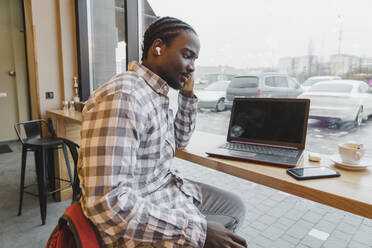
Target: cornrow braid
{"points": [[166, 29]]}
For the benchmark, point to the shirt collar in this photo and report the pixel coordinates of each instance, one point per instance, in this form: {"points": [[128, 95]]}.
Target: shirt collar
{"points": [[153, 80]]}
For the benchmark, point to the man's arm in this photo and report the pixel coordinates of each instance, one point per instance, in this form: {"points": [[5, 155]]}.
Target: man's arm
{"points": [[110, 142], [184, 123], [220, 237]]}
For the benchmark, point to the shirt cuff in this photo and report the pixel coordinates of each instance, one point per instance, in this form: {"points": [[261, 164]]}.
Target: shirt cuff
{"points": [[196, 232], [187, 104]]}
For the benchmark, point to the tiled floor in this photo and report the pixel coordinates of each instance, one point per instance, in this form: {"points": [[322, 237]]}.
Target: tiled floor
{"points": [[277, 219], [273, 218]]}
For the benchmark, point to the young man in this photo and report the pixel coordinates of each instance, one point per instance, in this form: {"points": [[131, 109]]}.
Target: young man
{"points": [[129, 190]]}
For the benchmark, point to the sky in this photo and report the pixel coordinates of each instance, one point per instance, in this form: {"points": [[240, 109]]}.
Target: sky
{"points": [[255, 33]]}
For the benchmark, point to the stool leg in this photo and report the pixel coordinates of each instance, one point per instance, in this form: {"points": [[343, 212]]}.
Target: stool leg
{"points": [[23, 171], [41, 178], [50, 168], [67, 162]]}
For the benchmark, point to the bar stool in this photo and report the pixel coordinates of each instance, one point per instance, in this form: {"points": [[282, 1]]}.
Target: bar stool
{"points": [[76, 189], [43, 151]]}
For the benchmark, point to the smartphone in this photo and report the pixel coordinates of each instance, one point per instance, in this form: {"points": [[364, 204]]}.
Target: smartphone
{"points": [[312, 172]]}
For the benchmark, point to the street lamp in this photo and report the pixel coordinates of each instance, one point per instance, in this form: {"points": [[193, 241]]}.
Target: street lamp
{"points": [[339, 18]]}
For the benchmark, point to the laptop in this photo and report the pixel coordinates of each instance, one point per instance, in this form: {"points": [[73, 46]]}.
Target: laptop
{"points": [[266, 130]]}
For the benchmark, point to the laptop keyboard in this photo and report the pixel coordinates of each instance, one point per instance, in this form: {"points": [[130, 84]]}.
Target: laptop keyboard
{"points": [[261, 149]]}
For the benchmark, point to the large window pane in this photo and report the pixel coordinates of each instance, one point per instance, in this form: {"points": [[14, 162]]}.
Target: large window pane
{"points": [[293, 45], [107, 41], [146, 16]]}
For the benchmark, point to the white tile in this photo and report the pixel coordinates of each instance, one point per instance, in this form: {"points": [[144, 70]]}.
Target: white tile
{"points": [[318, 234]]}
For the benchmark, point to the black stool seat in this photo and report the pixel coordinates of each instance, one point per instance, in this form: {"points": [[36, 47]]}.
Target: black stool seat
{"points": [[46, 142], [43, 151]]}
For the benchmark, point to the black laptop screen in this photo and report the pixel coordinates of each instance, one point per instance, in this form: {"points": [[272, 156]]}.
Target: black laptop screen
{"points": [[269, 121]]}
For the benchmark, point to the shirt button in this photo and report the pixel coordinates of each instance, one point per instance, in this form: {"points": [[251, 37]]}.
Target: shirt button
{"points": [[166, 100]]}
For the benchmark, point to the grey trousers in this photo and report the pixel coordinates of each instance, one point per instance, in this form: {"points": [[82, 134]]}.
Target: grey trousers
{"points": [[221, 206]]}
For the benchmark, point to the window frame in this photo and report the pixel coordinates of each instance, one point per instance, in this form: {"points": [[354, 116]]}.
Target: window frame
{"points": [[132, 40]]}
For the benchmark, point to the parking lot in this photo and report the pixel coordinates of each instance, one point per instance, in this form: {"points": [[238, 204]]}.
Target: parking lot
{"points": [[321, 137]]}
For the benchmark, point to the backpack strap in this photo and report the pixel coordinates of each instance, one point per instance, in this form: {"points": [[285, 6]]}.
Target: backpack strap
{"points": [[85, 233], [61, 237]]}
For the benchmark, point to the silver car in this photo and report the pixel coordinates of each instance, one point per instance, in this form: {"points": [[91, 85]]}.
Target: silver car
{"points": [[213, 96], [340, 100], [263, 85]]}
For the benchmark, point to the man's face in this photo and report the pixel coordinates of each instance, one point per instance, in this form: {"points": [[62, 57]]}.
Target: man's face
{"points": [[177, 59]]}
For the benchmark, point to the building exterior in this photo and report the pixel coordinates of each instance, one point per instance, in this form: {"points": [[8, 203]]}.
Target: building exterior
{"points": [[366, 65], [341, 64], [306, 65]]}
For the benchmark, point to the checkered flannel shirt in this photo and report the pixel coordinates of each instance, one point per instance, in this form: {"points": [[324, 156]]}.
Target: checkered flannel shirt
{"points": [[128, 140]]}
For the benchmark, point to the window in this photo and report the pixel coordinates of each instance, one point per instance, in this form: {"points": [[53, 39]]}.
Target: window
{"points": [[103, 45], [310, 82], [281, 82], [316, 40], [106, 40], [270, 81], [332, 87], [363, 88], [244, 82], [146, 16], [292, 83]]}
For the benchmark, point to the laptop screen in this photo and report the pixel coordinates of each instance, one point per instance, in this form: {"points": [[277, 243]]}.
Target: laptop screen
{"points": [[281, 122]]}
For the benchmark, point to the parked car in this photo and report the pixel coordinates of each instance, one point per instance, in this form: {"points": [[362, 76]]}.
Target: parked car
{"points": [[341, 100], [263, 85], [201, 81], [312, 80], [213, 96]]}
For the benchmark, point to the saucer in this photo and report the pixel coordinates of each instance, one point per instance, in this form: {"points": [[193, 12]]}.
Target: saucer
{"points": [[364, 163]]}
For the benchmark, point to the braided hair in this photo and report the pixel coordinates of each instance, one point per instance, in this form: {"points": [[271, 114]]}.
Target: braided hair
{"points": [[166, 29]]}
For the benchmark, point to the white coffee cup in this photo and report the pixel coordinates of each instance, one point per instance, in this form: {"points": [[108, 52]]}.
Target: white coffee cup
{"points": [[351, 152]]}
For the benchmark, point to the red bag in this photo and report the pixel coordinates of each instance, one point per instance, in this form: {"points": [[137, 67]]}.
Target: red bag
{"points": [[74, 230]]}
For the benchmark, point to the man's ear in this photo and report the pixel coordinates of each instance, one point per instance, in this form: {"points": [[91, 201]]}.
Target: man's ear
{"points": [[156, 47]]}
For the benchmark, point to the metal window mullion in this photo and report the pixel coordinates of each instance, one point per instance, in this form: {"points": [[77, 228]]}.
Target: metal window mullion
{"points": [[132, 30]]}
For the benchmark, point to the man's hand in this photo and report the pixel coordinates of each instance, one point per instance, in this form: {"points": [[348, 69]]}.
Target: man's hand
{"points": [[188, 87], [220, 237]]}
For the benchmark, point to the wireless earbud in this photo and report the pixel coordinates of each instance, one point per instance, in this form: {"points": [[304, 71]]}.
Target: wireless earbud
{"points": [[158, 50]]}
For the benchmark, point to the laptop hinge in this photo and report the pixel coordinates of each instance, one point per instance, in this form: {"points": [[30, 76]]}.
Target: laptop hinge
{"points": [[263, 144]]}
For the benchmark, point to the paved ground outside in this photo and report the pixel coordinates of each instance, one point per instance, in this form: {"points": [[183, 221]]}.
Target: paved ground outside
{"points": [[277, 219]]}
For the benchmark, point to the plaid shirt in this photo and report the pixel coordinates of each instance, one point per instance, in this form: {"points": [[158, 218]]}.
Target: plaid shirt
{"points": [[128, 140]]}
